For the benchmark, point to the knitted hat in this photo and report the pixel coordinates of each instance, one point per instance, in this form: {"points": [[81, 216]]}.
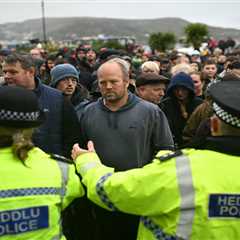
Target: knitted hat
{"points": [[62, 71], [19, 108]]}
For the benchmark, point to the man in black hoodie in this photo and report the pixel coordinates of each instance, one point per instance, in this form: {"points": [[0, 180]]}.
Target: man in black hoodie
{"points": [[179, 104], [127, 131]]}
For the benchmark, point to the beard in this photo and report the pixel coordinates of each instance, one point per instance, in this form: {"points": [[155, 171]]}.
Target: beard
{"points": [[112, 97]]}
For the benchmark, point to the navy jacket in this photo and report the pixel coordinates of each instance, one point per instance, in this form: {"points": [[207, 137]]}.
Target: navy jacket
{"points": [[61, 128], [49, 136]]}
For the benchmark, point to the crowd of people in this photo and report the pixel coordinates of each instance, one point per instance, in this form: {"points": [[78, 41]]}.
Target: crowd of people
{"points": [[149, 131]]}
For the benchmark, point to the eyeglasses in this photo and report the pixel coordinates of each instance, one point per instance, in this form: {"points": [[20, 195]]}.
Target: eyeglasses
{"points": [[69, 79]]}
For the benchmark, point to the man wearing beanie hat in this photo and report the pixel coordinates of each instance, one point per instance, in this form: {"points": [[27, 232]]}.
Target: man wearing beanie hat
{"points": [[151, 87], [34, 188], [65, 78], [196, 191], [179, 104], [62, 72]]}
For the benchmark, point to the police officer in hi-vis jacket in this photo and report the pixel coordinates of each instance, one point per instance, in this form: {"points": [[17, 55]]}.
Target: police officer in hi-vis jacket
{"points": [[34, 187], [188, 194]]}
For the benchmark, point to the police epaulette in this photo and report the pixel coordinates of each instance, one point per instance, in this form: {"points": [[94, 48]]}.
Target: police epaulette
{"points": [[168, 156], [61, 158]]}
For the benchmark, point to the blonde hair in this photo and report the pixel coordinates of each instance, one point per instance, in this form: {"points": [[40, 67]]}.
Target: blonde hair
{"points": [[19, 139], [150, 65], [182, 67]]}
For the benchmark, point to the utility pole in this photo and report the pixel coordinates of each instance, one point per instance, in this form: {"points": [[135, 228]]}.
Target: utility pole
{"points": [[44, 22]]}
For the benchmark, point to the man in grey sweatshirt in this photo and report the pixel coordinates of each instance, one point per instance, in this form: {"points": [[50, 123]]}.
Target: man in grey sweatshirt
{"points": [[122, 127]]}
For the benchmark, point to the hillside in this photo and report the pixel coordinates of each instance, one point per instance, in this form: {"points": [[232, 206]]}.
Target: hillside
{"points": [[70, 28]]}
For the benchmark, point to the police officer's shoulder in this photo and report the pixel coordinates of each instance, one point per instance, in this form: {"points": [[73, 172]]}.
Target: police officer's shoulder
{"points": [[169, 155], [61, 158]]}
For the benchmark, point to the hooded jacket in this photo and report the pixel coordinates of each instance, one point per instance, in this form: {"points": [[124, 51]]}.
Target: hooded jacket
{"points": [[171, 106], [129, 137], [124, 139], [181, 79]]}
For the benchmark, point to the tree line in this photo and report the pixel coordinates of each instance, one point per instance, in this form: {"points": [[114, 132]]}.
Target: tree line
{"points": [[195, 34]]}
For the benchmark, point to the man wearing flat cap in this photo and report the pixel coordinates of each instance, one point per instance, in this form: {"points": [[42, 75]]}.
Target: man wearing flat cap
{"points": [[188, 194], [151, 87]]}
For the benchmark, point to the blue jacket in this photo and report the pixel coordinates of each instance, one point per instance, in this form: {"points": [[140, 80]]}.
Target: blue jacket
{"points": [[49, 136]]}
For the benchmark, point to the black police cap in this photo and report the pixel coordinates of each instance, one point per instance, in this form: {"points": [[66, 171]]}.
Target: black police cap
{"points": [[226, 98], [19, 108]]}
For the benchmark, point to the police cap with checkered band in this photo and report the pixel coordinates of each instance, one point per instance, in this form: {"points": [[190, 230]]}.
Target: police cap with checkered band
{"points": [[226, 101], [19, 108]]}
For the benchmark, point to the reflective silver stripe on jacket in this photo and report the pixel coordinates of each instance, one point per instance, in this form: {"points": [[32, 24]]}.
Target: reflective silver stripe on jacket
{"points": [[187, 204], [87, 167], [64, 175]]}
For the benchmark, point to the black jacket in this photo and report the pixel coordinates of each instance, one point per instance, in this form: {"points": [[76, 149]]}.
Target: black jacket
{"points": [[223, 144], [171, 108]]}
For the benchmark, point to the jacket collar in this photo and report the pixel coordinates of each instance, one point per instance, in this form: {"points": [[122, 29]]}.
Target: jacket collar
{"points": [[132, 100], [38, 88], [223, 144]]}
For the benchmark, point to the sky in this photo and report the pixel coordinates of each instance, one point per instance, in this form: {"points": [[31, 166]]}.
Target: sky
{"points": [[220, 13]]}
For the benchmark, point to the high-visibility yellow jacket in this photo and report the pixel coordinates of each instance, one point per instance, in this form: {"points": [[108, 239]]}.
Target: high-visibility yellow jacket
{"points": [[194, 195], [33, 195]]}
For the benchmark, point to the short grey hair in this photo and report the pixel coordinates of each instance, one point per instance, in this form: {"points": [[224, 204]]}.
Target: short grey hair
{"points": [[124, 65]]}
